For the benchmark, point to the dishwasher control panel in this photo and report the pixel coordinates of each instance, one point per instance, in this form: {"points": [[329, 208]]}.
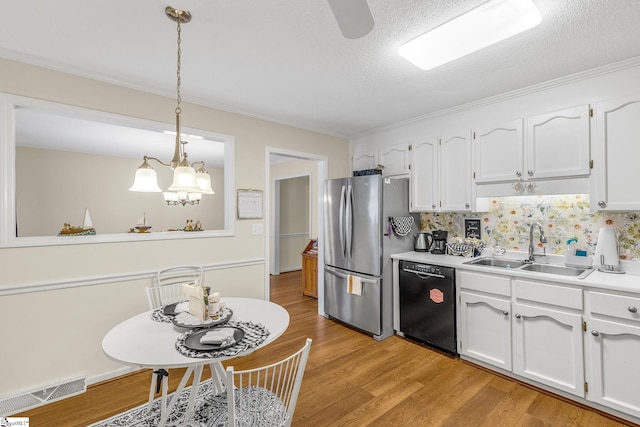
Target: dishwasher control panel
{"points": [[435, 270]]}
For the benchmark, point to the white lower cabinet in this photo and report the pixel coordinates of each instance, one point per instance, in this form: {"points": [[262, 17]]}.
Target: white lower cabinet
{"points": [[484, 321], [580, 342], [485, 329], [613, 349], [547, 346], [547, 334]]}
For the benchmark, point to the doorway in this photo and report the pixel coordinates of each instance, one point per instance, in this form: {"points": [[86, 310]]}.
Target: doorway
{"points": [[292, 220], [282, 165]]}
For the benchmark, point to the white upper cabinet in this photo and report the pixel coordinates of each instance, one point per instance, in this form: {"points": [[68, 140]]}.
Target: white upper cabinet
{"points": [[424, 182], [557, 144], [498, 152], [544, 154], [364, 159], [441, 173], [455, 171], [616, 154], [394, 159]]}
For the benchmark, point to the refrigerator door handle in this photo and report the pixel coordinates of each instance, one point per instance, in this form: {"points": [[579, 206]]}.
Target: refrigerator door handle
{"points": [[342, 230], [349, 220], [346, 276]]}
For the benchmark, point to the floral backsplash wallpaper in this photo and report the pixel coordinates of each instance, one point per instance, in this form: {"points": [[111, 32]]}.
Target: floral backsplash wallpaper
{"points": [[562, 217]]}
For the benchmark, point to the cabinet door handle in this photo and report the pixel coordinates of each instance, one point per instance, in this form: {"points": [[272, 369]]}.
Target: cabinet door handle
{"points": [[505, 312], [530, 172], [602, 204], [466, 205], [595, 333], [632, 309], [433, 206], [518, 174], [518, 315]]}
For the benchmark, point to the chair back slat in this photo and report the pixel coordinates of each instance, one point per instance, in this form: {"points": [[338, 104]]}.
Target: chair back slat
{"points": [[167, 286], [272, 388]]}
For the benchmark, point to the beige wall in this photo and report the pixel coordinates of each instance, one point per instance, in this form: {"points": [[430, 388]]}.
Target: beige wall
{"points": [[294, 221], [291, 247], [54, 334], [47, 198]]}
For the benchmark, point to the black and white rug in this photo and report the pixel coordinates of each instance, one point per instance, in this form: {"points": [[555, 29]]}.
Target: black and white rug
{"points": [[210, 410], [140, 416]]}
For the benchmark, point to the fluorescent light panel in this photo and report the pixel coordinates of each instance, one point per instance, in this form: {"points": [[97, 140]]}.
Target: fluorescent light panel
{"points": [[483, 26]]}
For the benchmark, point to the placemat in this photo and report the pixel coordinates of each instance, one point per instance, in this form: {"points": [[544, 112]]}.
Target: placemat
{"points": [[254, 335]]}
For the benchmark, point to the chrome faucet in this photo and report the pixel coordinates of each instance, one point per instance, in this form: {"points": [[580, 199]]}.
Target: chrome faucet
{"points": [[543, 239]]}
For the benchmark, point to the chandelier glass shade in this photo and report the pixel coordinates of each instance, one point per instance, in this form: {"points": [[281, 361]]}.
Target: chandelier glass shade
{"points": [[188, 184]]}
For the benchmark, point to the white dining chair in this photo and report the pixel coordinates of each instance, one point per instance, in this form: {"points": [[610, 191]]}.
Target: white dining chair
{"points": [[167, 285], [265, 396], [166, 288]]}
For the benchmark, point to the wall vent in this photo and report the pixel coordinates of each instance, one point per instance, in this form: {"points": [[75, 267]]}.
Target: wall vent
{"points": [[32, 399]]}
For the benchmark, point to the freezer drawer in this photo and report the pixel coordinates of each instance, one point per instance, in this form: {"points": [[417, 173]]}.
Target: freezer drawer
{"points": [[361, 311]]}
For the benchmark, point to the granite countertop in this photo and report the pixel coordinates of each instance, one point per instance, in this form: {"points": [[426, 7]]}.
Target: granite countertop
{"points": [[628, 282]]}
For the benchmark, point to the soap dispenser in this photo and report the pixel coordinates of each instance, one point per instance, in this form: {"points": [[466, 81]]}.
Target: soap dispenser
{"points": [[574, 257]]}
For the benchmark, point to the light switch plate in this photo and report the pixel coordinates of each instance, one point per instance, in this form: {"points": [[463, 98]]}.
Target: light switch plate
{"points": [[257, 229]]}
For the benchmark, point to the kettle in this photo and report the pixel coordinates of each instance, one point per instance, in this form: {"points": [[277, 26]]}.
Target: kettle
{"points": [[607, 256], [422, 242]]}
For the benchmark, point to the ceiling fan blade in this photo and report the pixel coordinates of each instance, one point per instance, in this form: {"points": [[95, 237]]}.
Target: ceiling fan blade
{"points": [[353, 16]]}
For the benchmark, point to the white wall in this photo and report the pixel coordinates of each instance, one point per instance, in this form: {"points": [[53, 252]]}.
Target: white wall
{"points": [[588, 87], [56, 303]]}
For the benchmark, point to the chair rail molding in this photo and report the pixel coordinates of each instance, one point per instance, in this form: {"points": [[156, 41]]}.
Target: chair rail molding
{"points": [[24, 288]]}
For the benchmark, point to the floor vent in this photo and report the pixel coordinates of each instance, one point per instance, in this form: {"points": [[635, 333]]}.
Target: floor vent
{"points": [[29, 400]]}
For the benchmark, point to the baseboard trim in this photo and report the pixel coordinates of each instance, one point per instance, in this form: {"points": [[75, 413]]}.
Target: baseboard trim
{"points": [[111, 375]]}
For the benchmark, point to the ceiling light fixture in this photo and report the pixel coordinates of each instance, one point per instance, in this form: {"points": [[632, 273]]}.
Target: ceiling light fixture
{"points": [[476, 29], [188, 184]]}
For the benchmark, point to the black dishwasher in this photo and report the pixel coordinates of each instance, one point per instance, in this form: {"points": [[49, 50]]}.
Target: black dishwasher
{"points": [[428, 304]]}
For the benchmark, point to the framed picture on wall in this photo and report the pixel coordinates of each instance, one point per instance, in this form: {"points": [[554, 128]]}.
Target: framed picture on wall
{"points": [[472, 229]]}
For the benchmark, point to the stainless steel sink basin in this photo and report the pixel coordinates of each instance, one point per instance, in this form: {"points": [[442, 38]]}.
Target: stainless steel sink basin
{"points": [[560, 270], [522, 265], [496, 262]]}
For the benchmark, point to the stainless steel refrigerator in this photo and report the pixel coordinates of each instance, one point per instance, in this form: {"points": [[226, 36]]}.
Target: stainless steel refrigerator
{"points": [[359, 240]]}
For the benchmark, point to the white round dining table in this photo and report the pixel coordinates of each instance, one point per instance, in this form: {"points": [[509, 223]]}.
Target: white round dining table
{"points": [[140, 341], [145, 343]]}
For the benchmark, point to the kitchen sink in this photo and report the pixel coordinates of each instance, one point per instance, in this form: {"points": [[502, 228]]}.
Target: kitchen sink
{"points": [[497, 262], [522, 265], [560, 270]]}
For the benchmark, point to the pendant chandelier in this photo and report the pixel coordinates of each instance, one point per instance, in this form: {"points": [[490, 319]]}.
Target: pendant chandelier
{"points": [[188, 184]]}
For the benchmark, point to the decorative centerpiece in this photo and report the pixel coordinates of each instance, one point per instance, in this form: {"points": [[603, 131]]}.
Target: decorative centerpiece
{"points": [[466, 247], [193, 226], [86, 229], [142, 225]]}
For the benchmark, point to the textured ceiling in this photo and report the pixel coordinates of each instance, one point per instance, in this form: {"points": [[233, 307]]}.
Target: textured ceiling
{"points": [[286, 60]]}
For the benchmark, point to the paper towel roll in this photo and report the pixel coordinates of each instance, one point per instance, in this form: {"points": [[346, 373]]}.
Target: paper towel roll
{"points": [[607, 248]]}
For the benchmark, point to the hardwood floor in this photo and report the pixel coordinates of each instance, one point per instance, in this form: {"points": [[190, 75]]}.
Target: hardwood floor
{"points": [[352, 379]]}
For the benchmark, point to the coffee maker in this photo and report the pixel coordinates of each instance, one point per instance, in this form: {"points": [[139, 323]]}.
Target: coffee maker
{"points": [[439, 242]]}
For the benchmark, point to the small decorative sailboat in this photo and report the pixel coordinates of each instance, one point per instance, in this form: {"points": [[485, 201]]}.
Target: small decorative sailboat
{"points": [[86, 229], [142, 225]]}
